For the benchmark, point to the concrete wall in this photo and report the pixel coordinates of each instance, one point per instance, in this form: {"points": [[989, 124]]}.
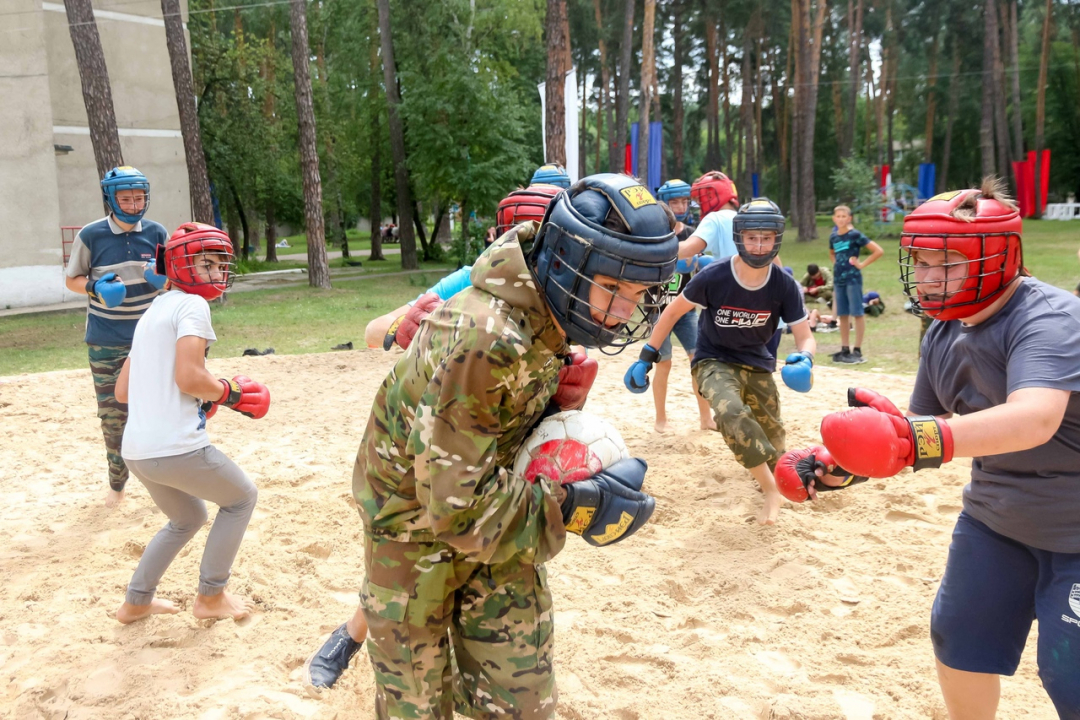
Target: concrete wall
{"points": [[28, 202], [41, 190]]}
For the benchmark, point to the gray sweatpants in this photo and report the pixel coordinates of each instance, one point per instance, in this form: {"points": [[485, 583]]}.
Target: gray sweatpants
{"points": [[179, 484]]}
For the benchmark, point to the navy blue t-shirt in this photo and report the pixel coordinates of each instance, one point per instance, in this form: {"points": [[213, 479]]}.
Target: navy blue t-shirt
{"points": [[103, 247], [1032, 496], [846, 246], [737, 322]]}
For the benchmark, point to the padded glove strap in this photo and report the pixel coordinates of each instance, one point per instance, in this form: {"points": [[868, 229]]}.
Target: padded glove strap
{"points": [[931, 442]]}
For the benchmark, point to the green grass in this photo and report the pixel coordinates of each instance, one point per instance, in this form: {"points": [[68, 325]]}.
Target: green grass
{"points": [[892, 340], [359, 242], [290, 320], [303, 319]]}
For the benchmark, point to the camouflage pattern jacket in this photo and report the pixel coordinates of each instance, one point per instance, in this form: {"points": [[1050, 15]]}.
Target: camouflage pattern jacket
{"points": [[450, 417]]}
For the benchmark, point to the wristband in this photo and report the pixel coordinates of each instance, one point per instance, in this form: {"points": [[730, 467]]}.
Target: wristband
{"points": [[649, 354], [931, 442], [232, 393]]}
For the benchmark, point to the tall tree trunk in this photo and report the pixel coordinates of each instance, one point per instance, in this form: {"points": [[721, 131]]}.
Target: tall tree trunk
{"points": [[746, 117], [622, 108], [318, 269], [855, 23], [1001, 127], [246, 244], [397, 142], [605, 98], [376, 148], [712, 118], [725, 75], [954, 104], [810, 52], [555, 88], [583, 153], [648, 70], [271, 234], [759, 93], [931, 98], [198, 179], [337, 216], [1040, 105], [780, 105], [800, 32], [1014, 65], [986, 123], [421, 231], [678, 119], [889, 80], [96, 90]]}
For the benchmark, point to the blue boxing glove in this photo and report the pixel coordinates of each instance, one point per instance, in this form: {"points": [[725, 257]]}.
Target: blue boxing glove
{"points": [[685, 266], [109, 290], [149, 274], [703, 262], [798, 371], [609, 506], [636, 378]]}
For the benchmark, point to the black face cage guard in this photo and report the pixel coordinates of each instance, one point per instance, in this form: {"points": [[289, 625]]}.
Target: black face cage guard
{"points": [[911, 288], [641, 322], [188, 261]]}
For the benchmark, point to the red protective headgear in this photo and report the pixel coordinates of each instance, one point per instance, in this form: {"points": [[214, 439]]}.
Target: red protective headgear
{"points": [[714, 190], [188, 242], [521, 205], [979, 224]]}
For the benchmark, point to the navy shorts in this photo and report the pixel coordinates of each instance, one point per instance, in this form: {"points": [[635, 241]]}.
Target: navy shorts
{"points": [[992, 589], [686, 330], [849, 297]]}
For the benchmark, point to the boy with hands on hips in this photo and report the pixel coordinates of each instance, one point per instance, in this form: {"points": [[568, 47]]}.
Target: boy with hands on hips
{"points": [[743, 299]]}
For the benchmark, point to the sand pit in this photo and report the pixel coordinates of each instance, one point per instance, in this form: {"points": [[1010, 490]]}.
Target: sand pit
{"points": [[702, 614]]}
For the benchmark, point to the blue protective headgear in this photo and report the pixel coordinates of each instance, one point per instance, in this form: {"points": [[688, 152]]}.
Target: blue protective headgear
{"points": [[577, 241], [673, 189], [758, 214], [551, 174], [124, 177]]}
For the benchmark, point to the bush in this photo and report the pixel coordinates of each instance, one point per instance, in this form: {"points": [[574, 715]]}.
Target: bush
{"points": [[856, 187]]}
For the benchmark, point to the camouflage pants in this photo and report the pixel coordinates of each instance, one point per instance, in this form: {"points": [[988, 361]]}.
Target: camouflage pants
{"points": [[105, 364], [746, 407], [445, 633]]}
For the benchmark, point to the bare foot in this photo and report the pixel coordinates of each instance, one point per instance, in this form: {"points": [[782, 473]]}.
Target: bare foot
{"points": [[770, 508], [222, 606], [113, 498], [708, 422], [660, 425], [129, 613]]}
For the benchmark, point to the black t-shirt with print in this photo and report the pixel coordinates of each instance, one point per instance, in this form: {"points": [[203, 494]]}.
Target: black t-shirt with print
{"points": [[737, 322]]}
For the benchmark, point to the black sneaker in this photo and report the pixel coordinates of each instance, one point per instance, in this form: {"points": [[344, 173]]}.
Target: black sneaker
{"points": [[328, 663], [855, 358], [841, 357]]}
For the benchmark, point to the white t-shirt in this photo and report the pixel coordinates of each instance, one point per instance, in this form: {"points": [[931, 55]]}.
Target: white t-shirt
{"points": [[162, 421], [715, 230]]}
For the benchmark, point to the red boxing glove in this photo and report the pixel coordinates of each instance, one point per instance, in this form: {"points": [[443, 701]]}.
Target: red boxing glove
{"points": [[880, 444], [861, 397], [245, 396], [404, 330], [796, 473], [575, 381], [209, 409]]}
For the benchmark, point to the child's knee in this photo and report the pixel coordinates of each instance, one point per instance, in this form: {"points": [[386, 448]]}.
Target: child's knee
{"points": [[190, 523]]}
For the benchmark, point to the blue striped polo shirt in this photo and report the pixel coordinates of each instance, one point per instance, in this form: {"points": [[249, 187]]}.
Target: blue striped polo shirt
{"points": [[103, 247]]}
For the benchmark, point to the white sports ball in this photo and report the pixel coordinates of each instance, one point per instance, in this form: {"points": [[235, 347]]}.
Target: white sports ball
{"points": [[568, 446]]}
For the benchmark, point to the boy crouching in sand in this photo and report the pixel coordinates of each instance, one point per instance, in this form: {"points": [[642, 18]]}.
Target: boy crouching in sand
{"points": [[170, 395], [743, 298]]}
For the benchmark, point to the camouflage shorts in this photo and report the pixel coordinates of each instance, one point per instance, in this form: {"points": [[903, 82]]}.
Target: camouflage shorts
{"points": [[446, 633], [105, 364], [746, 407]]}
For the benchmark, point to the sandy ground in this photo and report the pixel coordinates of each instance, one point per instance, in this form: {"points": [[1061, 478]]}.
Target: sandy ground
{"points": [[702, 614]]}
